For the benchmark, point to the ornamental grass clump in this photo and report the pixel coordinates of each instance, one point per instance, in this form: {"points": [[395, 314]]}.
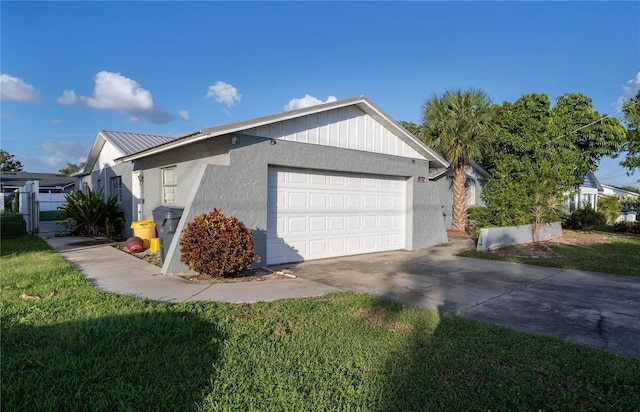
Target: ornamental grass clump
{"points": [[217, 245]]}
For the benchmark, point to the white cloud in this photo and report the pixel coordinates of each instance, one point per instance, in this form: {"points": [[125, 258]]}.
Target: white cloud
{"points": [[629, 90], [61, 152], [68, 97], [184, 115], [307, 101], [224, 93], [16, 90], [114, 91]]}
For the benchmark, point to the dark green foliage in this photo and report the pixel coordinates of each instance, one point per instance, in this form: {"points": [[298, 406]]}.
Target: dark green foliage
{"points": [[632, 119], [88, 214], [480, 217], [610, 207], [541, 153], [8, 163], [585, 219], [51, 215], [12, 226], [217, 245], [627, 227]]}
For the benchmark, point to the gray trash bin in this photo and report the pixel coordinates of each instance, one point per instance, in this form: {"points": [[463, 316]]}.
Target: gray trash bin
{"points": [[166, 219]]}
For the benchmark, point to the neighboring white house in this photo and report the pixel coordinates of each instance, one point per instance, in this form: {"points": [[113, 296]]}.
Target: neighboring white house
{"points": [[620, 193], [101, 171], [586, 194]]}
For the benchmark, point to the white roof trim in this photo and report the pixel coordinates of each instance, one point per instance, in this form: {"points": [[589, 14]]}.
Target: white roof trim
{"points": [[362, 102]]}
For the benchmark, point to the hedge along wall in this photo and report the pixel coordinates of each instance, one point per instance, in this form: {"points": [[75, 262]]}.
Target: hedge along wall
{"points": [[494, 237]]}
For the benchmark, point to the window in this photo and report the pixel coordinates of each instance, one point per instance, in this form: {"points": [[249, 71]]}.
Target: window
{"points": [[116, 189], [169, 185], [471, 193]]}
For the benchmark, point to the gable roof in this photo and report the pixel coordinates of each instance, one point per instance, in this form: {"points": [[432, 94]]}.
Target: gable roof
{"points": [[361, 102], [125, 143], [479, 169], [590, 180], [49, 181]]}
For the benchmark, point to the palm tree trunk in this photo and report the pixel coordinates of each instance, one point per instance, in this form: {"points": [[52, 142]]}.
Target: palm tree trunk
{"points": [[459, 212]]}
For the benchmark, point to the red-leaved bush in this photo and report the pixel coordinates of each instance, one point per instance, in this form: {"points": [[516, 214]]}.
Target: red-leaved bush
{"points": [[217, 245]]}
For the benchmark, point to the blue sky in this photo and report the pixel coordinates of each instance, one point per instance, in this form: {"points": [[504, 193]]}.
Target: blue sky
{"points": [[70, 69]]}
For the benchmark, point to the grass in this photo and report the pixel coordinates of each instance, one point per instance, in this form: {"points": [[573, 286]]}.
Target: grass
{"points": [[51, 215], [77, 348], [618, 256]]}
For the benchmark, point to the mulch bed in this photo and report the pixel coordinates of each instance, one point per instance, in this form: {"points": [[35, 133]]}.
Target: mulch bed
{"points": [[254, 275]]}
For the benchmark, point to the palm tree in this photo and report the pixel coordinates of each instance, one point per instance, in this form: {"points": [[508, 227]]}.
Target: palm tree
{"points": [[458, 125]]}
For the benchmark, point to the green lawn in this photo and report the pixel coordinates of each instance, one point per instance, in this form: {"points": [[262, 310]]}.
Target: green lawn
{"points": [[620, 255], [77, 349], [51, 215]]}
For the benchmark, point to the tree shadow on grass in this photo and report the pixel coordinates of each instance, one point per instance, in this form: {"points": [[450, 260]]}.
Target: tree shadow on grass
{"points": [[151, 361]]}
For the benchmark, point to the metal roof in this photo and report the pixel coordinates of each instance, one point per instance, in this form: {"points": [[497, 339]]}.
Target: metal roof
{"points": [[129, 143]]}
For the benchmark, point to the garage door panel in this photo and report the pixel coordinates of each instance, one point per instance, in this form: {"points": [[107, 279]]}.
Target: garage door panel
{"points": [[317, 214], [317, 224], [318, 200]]}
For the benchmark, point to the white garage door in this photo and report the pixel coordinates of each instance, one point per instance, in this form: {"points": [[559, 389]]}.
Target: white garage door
{"points": [[315, 214]]}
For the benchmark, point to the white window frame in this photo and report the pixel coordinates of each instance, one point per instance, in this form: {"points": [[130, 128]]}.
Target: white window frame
{"points": [[116, 191], [169, 186]]}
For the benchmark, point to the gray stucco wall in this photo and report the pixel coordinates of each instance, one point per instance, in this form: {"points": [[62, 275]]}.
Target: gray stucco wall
{"points": [[445, 190], [514, 235], [188, 161], [239, 187]]}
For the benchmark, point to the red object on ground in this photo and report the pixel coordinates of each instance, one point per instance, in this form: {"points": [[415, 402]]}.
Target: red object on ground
{"points": [[134, 244]]}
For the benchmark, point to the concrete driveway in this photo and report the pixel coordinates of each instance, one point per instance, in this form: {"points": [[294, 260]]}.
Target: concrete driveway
{"points": [[592, 309]]}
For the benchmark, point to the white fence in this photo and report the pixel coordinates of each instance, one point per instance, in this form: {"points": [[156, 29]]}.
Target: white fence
{"points": [[29, 202], [50, 201]]}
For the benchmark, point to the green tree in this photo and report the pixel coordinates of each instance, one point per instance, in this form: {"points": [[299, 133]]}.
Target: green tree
{"points": [[71, 168], [8, 164], [632, 189], [415, 129], [631, 111], [541, 153], [531, 169], [458, 125]]}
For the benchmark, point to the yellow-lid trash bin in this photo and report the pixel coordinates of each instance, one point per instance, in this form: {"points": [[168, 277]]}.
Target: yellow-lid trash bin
{"points": [[145, 230]]}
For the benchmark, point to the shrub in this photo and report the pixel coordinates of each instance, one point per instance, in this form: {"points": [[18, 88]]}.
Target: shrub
{"points": [[88, 214], [479, 217], [627, 227], [610, 207], [584, 219], [217, 245], [12, 225]]}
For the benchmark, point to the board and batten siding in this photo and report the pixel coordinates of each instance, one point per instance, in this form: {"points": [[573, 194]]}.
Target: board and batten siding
{"points": [[345, 127]]}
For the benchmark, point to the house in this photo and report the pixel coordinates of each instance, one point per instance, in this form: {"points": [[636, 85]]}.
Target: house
{"points": [[336, 179], [620, 193], [475, 179], [48, 182], [586, 194], [101, 171], [50, 188]]}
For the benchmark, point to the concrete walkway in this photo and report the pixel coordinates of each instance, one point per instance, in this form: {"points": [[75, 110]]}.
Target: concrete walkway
{"points": [[592, 309]]}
